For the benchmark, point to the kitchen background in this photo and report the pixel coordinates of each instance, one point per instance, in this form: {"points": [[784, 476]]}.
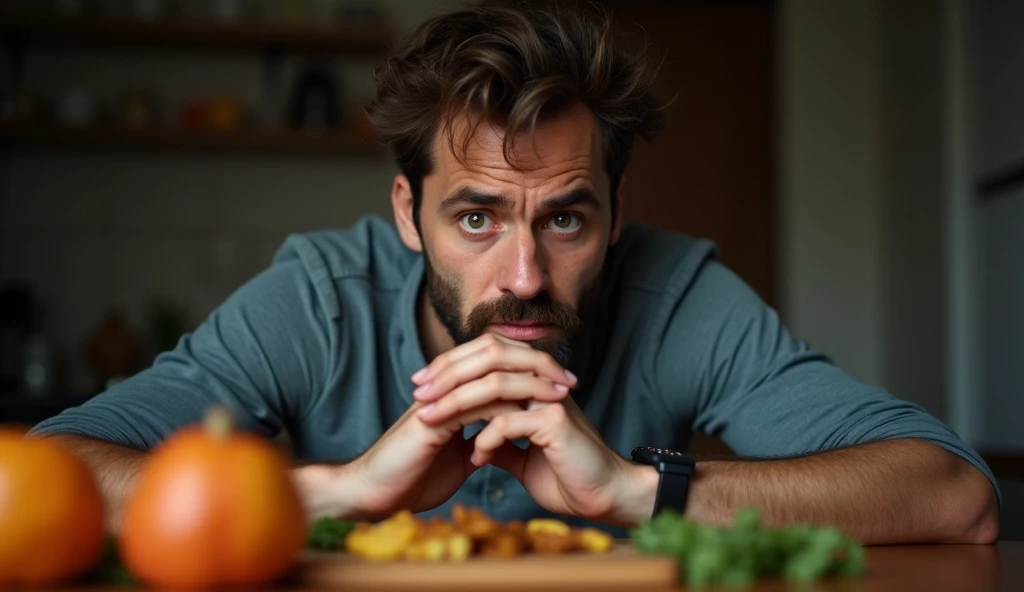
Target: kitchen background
{"points": [[860, 162]]}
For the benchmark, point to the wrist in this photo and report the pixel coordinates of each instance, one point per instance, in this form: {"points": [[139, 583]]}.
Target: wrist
{"points": [[639, 491], [330, 490]]}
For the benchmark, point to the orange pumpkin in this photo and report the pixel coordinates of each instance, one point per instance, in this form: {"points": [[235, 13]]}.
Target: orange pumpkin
{"points": [[51, 512], [213, 507]]}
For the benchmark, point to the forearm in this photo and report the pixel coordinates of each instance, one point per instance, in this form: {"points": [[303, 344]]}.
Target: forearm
{"points": [[115, 468], [879, 493], [333, 490]]}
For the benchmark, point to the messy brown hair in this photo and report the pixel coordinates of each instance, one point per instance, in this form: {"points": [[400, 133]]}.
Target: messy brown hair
{"points": [[512, 64]]}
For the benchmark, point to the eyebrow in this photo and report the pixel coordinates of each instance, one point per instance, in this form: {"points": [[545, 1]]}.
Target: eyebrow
{"points": [[576, 197], [467, 196]]}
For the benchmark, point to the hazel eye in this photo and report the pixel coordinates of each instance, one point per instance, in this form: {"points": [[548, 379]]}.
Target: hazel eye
{"points": [[565, 222], [476, 222]]}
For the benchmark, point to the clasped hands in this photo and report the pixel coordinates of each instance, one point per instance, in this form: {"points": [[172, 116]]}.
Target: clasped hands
{"points": [[423, 459]]}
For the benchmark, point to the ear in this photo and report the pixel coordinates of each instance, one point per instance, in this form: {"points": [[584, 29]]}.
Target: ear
{"points": [[620, 194], [401, 202]]}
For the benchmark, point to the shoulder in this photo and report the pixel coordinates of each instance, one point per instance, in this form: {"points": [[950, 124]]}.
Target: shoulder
{"points": [[654, 261], [367, 255], [338, 264]]}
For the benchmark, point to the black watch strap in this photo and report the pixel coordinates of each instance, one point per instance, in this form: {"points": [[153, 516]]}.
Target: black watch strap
{"points": [[673, 488], [674, 469]]}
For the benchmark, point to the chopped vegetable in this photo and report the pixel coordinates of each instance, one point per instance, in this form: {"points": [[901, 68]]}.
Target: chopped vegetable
{"points": [[328, 534], [739, 555], [111, 569]]}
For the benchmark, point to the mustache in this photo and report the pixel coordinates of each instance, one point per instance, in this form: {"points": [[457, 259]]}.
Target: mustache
{"points": [[509, 309]]}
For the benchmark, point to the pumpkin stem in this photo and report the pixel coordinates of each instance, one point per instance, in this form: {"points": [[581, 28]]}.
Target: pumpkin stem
{"points": [[219, 422]]}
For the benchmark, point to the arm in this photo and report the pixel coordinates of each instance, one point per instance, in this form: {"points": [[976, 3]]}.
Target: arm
{"points": [[325, 489], [891, 492], [815, 444], [114, 467], [264, 353]]}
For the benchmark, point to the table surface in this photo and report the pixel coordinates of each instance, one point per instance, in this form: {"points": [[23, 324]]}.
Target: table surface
{"points": [[935, 568]]}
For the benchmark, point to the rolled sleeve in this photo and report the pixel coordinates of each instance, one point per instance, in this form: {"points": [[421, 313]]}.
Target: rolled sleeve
{"points": [[766, 394]]}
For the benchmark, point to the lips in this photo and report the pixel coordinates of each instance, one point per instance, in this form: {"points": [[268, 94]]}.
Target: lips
{"points": [[523, 331]]}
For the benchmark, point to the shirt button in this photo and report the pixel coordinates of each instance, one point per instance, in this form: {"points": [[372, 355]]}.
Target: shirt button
{"points": [[497, 495]]}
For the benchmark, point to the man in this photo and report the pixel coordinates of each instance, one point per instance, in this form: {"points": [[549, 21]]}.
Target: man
{"points": [[508, 343]]}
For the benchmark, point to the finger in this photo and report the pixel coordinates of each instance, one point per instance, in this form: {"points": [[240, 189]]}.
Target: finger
{"points": [[496, 386], [482, 413], [508, 457], [491, 358], [537, 425], [457, 353]]}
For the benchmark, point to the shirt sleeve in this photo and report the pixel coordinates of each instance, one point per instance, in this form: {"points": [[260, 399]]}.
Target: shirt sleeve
{"points": [[263, 354], [766, 394]]}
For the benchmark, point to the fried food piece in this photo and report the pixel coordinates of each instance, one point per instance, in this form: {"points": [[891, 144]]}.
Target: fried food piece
{"points": [[384, 541], [438, 528], [551, 543], [480, 529], [459, 547], [548, 525], [504, 545], [459, 514], [515, 527], [593, 540]]}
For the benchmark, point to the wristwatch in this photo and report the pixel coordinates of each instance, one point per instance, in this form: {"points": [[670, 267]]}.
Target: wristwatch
{"points": [[675, 470]]}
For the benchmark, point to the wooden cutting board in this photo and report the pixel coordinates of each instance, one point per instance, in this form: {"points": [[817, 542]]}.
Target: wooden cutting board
{"points": [[621, 568]]}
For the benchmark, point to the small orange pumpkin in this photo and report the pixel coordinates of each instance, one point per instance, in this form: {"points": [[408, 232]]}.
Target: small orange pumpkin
{"points": [[213, 507], [51, 512]]}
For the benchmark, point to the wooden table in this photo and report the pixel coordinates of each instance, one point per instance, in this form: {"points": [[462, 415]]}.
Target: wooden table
{"points": [[931, 568]]}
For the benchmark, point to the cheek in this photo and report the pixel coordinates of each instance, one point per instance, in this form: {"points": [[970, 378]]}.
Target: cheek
{"points": [[572, 271], [472, 272]]}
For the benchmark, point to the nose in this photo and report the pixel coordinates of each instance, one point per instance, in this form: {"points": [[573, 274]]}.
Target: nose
{"points": [[523, 272]]}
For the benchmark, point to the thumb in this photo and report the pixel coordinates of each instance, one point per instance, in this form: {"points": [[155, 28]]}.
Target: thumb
{"points": [[511, 458]]}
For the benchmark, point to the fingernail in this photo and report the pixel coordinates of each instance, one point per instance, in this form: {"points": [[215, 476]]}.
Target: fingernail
{"points": [[561, 388], [570, 376], [473, 458], [419, 375], [426, 410], [422, 390]]}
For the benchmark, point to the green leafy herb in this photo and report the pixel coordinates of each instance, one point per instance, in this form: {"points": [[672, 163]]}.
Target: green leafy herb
{"points": [[328, 534], [111, 569], [739, 555]]}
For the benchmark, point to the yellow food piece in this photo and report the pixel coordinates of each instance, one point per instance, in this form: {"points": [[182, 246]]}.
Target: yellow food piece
{"points": [[594, 540], [470, 532], [459, 547], [434, 549], [550, 543], [385, 541], [548, 526]]}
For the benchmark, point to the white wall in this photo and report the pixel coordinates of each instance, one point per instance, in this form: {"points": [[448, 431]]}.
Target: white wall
{"points": [[831, 179], [997, 93], [863, 126]]}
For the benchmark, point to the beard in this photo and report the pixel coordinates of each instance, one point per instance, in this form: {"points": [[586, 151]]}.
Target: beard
{"points": [[446, 297]]}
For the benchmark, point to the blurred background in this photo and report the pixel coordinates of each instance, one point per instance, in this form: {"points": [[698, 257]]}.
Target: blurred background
{"points": [[859, 162]]}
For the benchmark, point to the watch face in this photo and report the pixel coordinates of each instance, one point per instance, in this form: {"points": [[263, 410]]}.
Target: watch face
{"points": [[657, 456]]}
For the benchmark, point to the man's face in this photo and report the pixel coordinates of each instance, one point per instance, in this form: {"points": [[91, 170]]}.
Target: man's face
{"points": [[517, 251]]}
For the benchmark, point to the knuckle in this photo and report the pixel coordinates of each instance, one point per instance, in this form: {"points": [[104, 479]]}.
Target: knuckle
{"points": [[494, 350], [496, 381], [556, 413]]}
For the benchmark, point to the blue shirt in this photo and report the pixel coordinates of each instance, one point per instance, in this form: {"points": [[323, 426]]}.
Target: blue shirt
{"points": [[322, 344]]}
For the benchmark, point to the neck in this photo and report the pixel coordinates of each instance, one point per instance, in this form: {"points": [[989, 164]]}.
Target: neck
{"points": [[434, 337]]}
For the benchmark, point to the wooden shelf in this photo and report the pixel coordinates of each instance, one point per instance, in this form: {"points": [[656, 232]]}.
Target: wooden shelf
{"points": [[170, 139], [193, 34]]}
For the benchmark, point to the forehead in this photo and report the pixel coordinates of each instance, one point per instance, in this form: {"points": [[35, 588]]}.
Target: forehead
{"points": [[560, 149]]}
